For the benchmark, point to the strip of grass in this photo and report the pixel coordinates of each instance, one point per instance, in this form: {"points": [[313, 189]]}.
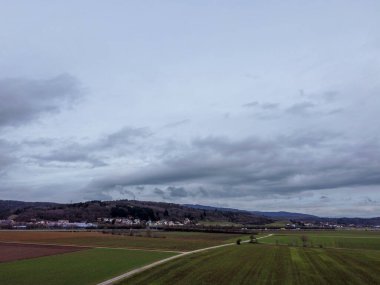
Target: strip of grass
{"points": [[177, 241], [358, 240], [85, 267], [263, 264]]}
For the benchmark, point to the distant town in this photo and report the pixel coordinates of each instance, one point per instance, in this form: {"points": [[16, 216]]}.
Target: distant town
{"points": [[133, 222]]}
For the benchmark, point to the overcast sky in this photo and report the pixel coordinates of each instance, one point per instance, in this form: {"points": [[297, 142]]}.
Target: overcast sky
{"points": [[257, 105]]}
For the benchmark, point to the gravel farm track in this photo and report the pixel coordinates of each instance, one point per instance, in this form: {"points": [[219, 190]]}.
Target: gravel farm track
{"points": [[154, 264]]}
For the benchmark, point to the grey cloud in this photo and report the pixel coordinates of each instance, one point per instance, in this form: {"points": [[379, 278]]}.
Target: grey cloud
{"points": [[94, 153], [122, 137], [265, 111], [171, 192], [264, 106], [39, 142], [23, 100], [324, 198], [176, 124], [177, 192], [270, 106], [330, 96], [251, 104], [319, 104], [252, 166], [72, 154], [159, 192], [7, 156], [302, 108], [324, 97]]}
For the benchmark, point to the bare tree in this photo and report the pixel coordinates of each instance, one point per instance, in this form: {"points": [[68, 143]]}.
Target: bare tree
{"points": [[304, 239], [252, 239]]}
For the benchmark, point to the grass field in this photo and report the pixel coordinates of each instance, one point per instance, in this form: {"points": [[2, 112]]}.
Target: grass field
{"points": [[84, 267], [267, 264], [177, 241], [334, 239], [272, 261], [17, 251]]}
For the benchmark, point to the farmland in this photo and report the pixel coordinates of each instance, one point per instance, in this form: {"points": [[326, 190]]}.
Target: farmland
{"points": [[83, 267], [16, 251], [176, 241], [267, 264], [329, 257], [330, 239]]}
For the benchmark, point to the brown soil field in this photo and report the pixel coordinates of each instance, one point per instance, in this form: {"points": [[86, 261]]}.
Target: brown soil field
{"points": [[175, 241], [17, 251], [43, 236]]}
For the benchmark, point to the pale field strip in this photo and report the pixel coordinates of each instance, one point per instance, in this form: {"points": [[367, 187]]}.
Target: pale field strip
{"points": [[154, 264], [90, 247]]}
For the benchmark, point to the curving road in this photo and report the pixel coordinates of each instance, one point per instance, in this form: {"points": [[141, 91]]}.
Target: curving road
{"points": [[154, 264]]}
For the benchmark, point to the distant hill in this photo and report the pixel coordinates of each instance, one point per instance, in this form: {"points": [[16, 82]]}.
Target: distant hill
{"points": [[10, 207], [276, 215], [282, 215], [211, 208], [91, 210], [145, 210]]}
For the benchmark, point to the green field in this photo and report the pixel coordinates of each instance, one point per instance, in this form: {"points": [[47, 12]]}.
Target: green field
{"points": [[333, 239], [84, 267], [176, 241], [331, 257], [267, 264]]}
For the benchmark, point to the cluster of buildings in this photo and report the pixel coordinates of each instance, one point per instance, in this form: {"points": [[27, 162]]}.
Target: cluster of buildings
{"points": [[120, 221], [34, 223], [164, 223], [66, 224], [137, 222]]}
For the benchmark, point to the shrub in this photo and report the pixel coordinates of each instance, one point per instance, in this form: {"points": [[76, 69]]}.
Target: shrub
{"points": [[304, 239], [252, 239]]}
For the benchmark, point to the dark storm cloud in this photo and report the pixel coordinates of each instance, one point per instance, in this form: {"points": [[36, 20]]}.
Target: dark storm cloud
{"points": [[254, 166], [93, 153], [23, 100]]}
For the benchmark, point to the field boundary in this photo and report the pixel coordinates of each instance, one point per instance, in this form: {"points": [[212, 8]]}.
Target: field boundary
{"points": [[90, 247], [162, 261]]}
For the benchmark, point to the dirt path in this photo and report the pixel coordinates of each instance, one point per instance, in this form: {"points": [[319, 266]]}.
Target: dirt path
{"points": [[154, 264]]}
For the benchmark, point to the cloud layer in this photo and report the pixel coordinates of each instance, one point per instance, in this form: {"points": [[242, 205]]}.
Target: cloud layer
{"points": [[24, 100], [259, 106]]}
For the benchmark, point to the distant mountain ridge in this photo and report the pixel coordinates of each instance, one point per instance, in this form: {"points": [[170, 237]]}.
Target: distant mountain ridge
{"points": [[91, 210], [145, 210], [278, 215], [283, 215]]}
